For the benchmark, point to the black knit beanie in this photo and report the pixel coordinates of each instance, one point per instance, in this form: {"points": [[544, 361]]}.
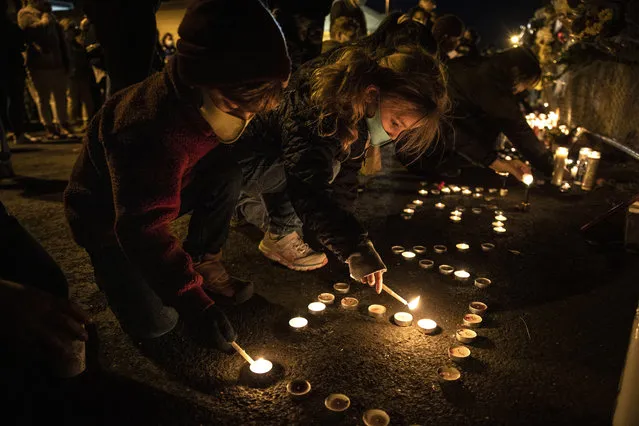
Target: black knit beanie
{"points": [[225, 42]]}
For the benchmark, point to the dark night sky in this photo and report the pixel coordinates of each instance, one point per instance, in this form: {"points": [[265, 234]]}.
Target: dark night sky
{"points": [[493, 19]]}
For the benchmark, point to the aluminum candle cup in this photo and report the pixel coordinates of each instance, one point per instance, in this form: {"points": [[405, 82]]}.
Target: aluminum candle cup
{"points": [[422, 192], [445, 190], [477, 308], [482, 282], [426, 264], [407, 216], [341, 288], [460, 208], [492, 190], [298, 388], [376, 417], [427, 326], [462, 275], [459, 353], [487, 246], [349, 303], [465, 335], [408, 255], [463, 247], [499, 212], [455, 219], [409, 211], [261, 366], [498, 224], [411, 206], [337, 402], [448, 374], [377, 311], [397, 249], [501, 217], [446, 269], [472, 320], [418, 203], [456, 213], [316, 308], [499, 230], [455, 189], [440, 206], [477, 195], [419, 249], [479, 189], [326, 298], [591, 171], [403, 319], [440, 249], [561, 154], [465, 187], [435, 191], [476, 210], [467, 192], [298, 323]]}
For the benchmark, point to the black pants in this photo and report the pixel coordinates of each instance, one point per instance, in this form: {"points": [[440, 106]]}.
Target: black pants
{"points": [[211, 195], [12, 103]]}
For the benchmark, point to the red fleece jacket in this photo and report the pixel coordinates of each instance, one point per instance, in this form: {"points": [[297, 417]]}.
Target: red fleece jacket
{"points": [[125, 186]]}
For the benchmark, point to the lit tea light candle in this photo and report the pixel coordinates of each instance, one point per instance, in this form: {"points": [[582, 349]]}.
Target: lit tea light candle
{"points": [[482, 282], [479, 189], [478, 308], [418, 202], [407, 216], [499, 230], [456, 213], [462, 247], [408, 255], [316, 308], [503, 192], [467, 192], [476, 210], [426, 326], [440, 206], [326, 298], [465, 187], [440, 249], [376, 417], [445, 190], [423, 183], [411, 206], [426, 264], [446, 269], [477, 195], [459, 353], [261, 366], [498, 212], [341, 288], [349, 303], [472, 320], [455, 219], [498, 224], [298, 323], [455, 189], [403, 319], [448, 374], [487, 246], [461, 208], [423, 192], [435, 191], [409, 211], [465, 335], [398, 249], [377, 311], [298, 388], [565, 187], [501, 218], [337, 402], [462, 275], [492, 190], [419, 249]]}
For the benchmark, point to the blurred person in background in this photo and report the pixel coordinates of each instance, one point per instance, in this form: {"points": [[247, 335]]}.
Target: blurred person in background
{"points": [[345, 30], [168, 46], [81, 77], [447, 32], [348, 9], [468, 44], [47, 64]]}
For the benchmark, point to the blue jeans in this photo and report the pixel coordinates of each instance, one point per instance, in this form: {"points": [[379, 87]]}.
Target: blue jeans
{"points": [[212, 195], [263, 201]]}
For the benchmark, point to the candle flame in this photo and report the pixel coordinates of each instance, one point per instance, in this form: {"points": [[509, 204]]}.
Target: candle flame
{"points": [[261, 366], [528, 179], [413, 304]]}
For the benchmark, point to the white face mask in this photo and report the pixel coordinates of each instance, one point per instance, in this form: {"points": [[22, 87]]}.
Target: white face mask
{"points": [[228, 128], [376, 130]]}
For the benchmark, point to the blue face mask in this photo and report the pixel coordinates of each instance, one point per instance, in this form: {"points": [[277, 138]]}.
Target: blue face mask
{"points": [[376, 131]]}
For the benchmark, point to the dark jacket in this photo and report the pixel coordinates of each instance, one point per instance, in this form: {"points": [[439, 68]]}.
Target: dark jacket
{"points": [[46, 45], [311, 162], [137, 156], [483, 107]]}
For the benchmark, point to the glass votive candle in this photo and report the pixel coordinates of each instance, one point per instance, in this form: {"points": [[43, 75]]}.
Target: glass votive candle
{"points": [[408, 255], [326, 298], [462, 275], [403, 319], [316, 308], [439, 249], [499, 230], [298, 323], [462, 247], [440, 206], [455, 219], [446, 269], [427, 326]]}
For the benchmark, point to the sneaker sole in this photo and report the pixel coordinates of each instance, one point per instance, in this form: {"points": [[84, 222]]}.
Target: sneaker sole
{"points": [[279, 259]]}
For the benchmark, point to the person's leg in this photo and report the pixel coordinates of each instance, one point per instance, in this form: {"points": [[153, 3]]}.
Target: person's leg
{"points": [[41, 94], [73, 102], [86, 99], [137, 307], [59, 83]]}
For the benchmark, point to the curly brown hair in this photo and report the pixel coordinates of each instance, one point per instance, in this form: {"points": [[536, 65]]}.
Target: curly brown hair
{"points": [[410, 75]]}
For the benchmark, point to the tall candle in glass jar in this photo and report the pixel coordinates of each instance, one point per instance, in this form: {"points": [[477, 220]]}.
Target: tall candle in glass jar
{"points": [[591, 171], [560, 164]]}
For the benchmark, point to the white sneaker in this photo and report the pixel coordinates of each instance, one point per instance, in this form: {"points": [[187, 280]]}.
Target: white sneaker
{"points": [[292, 252]]}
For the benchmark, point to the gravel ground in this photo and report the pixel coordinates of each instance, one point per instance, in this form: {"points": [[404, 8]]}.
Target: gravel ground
{"points": [[550, 350]]}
